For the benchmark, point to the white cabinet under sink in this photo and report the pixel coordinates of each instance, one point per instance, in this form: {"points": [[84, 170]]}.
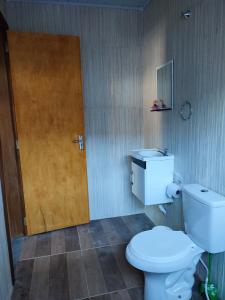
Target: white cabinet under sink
{"points": [[151, 173]]}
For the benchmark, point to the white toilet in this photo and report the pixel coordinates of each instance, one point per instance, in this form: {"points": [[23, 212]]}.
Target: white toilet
{"points": [[169, 258]]}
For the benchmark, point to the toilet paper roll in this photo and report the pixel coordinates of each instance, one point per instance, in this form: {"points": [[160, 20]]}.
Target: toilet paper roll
{"points": [[173, 190]]}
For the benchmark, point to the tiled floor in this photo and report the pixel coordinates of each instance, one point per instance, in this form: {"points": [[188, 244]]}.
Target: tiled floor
{"points": [[83, 262]]}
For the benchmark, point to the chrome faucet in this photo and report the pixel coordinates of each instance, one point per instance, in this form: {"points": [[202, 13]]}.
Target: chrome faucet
{"points": [[163, 151]]}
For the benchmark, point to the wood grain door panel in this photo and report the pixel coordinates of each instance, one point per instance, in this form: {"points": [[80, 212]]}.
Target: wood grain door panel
{"points": [[47, 88]]}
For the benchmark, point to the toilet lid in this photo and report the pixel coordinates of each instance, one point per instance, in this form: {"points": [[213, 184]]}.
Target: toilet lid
{"points": [[161, 245]]}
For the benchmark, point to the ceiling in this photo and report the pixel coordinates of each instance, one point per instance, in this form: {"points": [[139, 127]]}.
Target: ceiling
{"points": [[125, 4]]}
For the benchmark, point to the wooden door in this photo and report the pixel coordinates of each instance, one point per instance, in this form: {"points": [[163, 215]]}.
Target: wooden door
{"points": [[47, 90]]}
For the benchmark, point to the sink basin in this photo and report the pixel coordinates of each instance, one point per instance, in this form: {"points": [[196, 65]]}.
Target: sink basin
{"points": [[150, 154]]}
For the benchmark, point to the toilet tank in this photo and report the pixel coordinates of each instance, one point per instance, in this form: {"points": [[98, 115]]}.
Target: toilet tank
{"points": [[204, 217]]}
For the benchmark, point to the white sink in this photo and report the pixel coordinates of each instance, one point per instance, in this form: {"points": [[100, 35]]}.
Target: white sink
{"points": [[151, 173], [150, 154]]}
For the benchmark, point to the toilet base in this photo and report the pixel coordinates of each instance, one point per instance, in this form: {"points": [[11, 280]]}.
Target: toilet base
{"points": [[155, 289], [170, 286]]}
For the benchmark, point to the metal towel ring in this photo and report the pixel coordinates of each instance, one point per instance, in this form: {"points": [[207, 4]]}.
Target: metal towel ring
{"points": [[186, 110]]}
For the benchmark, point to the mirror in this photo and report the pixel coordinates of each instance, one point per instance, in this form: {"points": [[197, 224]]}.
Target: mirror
{"points": [[164, 81]]}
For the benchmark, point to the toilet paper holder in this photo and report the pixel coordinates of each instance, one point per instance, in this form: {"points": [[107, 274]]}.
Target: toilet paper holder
{"points": [[173, 190]]}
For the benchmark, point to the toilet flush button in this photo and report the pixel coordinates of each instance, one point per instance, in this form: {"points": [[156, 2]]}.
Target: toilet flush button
{"points": [[204, 191]]}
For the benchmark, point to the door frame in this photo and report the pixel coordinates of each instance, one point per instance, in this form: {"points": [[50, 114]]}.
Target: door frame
{"points": [[9, 242], [3, 28]]}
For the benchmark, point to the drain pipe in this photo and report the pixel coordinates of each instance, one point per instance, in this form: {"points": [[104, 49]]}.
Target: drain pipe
{"points": [[209, 288], [206, 279]]}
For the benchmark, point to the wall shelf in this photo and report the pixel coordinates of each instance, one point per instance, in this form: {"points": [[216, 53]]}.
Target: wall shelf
{"points": [[161, 109]]}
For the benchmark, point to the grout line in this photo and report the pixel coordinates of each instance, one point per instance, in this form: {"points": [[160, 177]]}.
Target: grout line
{"points": [[85, 273], [79, 238], [81, 250], [100, 268], [103, 6], [112, 292]]}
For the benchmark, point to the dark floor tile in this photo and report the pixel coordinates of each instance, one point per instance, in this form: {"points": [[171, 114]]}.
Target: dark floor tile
{"points": [[112, 275], [58, 278], [138, 223], [136, 293], [102, 297], [98, 235], [29, 245], [94, 275], [83, 227], [58, 244], [111, 234], [43, 246], [71, 239], [120, 295], [122, 229], [85, 237], [70, 276], [132, 277], [40, 279], [76, 276], [23, 276]]}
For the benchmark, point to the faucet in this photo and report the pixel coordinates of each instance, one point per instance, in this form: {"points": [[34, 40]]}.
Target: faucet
{"points": [[163, 151]]}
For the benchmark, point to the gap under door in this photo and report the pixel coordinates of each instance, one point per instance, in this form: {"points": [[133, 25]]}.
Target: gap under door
{"points": [[48, 104]]}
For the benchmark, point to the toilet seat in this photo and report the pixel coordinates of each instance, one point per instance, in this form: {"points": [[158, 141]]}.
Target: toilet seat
{"points": [[161, 250]]}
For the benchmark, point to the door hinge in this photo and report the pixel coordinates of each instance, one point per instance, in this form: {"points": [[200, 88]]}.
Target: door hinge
{"points": [[17, 145], [25, 221]]}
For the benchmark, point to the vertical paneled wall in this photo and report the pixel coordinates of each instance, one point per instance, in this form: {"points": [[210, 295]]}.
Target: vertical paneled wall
{"points": [[5, 274], [197, 47], [111, 48]]}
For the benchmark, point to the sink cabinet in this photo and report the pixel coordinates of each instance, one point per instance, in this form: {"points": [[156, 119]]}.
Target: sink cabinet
{"points": [[150, 178]]}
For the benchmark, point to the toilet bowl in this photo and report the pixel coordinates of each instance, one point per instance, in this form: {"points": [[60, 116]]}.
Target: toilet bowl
{"points": [[168, 259]]}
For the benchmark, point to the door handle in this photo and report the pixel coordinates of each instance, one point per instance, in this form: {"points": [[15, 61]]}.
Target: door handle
{"points": [[79, 141]]}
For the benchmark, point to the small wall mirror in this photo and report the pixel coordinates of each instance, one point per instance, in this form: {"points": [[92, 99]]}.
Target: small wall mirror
{"points": [[164, 79]]}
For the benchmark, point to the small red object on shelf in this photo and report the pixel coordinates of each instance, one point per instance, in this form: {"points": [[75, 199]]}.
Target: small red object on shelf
{"points": [[159, 105]]}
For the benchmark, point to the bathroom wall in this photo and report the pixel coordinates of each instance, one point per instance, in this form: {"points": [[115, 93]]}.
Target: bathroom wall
{"points": [[5, 274], [197, 47], [111, 41]]}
